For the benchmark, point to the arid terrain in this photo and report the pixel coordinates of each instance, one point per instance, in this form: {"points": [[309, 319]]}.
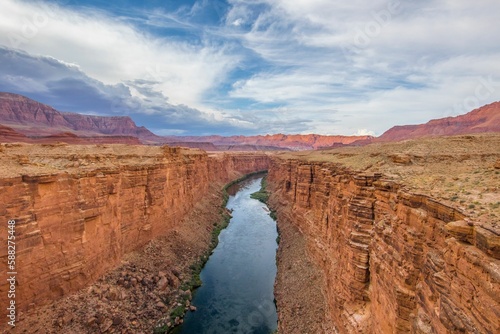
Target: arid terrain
{"points": [[432, 182], [142, 292], [388, 225], [127, 224], [134, 133], [462, 171]]}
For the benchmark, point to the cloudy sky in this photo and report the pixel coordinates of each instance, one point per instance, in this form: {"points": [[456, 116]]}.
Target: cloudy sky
{"points": [[229, 67]]}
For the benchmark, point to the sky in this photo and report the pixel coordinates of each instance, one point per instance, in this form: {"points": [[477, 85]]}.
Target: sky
{"points": [[231, 67]]}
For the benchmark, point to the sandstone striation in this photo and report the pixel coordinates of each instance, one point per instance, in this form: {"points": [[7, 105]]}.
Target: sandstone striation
{"points": [[80, 209], [9, 135], [394, 259]]}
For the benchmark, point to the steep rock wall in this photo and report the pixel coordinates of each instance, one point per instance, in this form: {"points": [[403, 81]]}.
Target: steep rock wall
{"points": [[393, 261], [73, 226]]}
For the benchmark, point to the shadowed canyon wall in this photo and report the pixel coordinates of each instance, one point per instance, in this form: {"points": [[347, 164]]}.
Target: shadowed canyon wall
{"points": [[393, 261], [74, 224]]}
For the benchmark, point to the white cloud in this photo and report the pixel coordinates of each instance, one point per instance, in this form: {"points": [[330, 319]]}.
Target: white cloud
{"points": [[237, 22], [417, 60], [113, 51], [324, 66]]}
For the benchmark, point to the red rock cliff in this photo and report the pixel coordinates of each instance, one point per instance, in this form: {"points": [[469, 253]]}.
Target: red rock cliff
{"points": [[393, 261], [79, 209]]}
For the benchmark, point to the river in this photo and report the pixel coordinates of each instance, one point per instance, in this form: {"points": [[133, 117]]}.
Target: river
{"points": [[238, 279]]}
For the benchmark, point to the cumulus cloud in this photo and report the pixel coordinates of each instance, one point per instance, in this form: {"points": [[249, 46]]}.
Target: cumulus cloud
{"points": [[364, 132], [264, 66], [67, 88], [379, 63], [112, 50]]}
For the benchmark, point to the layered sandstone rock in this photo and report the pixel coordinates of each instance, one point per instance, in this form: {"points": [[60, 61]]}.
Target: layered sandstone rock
{"points": [[79, 209], [393, 261]]}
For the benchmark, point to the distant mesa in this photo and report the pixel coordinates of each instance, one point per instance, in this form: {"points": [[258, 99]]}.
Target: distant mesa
{"points": [[36, 120], [26, 120], [481, 120], [273, 142]]}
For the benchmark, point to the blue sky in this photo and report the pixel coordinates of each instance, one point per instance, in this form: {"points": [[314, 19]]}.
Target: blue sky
{"points": [[254, 67]]}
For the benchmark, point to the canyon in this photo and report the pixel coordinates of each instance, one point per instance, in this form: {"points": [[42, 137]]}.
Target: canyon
{"points": [[80, 209], [386, 238], [395, 253]]}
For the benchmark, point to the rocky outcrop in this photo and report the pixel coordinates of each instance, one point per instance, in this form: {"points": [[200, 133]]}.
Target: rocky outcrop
{"points": [[17, 109], [9, 135], [481, 120], [393, 261], [108, 125], [206, 146], [79, 209]]}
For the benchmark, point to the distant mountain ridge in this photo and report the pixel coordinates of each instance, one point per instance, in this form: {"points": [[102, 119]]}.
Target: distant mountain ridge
{"points": [[23, 119], [33, 118], [484, 119], [276, 141]]}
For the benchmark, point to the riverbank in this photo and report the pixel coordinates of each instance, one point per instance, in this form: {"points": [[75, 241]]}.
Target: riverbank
{"points": [[299, 287]]}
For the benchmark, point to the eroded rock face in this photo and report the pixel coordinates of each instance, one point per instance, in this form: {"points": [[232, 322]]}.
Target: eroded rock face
{"points": [[393, 261], [10, 135], [74, 225]]}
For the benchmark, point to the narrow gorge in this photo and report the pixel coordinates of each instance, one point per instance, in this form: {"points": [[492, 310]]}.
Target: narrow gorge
{"points": [[359, 252]]}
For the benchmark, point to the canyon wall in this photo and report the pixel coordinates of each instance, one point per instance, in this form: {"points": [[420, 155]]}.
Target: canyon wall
{"points": [[76, 219], [393, 261]]}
